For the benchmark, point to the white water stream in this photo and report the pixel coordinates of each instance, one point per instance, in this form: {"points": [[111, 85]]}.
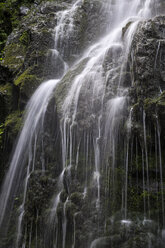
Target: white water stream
{"points": [[107, 111], [23, 155]]}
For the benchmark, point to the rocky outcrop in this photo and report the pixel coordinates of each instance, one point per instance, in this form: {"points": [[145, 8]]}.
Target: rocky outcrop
{"points": [[148, 58], [28, 58], [147, 65], [28, 53]]}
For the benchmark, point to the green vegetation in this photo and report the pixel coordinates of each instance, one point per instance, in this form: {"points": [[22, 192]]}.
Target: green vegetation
{"points": [[159, 101], [12, 60], [13, 124], [24, 39], [27, 82], [24, 78], [10, 17]]}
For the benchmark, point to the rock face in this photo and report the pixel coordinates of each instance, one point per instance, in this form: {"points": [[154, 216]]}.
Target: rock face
{"points": [[28, 57], [148, 57], [31, 57]]}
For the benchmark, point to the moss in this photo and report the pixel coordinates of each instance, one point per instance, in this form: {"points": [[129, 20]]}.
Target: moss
{"points": [[155, 101], [135, 201], [62, 88], [27, 82], [13, 124], [23, 78], [161, 99], [24, 39], [14, 56], [6, 89]]}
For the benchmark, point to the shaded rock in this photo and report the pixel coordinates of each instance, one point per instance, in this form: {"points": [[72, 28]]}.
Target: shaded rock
{"points": [[5, 75], [148, 56]]}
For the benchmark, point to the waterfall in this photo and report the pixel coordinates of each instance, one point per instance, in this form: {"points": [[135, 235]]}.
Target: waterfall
{"points": [[33, 125], [95, 146], [146, 156], [161, 173]]}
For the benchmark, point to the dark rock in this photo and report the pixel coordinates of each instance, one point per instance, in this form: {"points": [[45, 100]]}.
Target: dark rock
{"points": [[5, 75]]}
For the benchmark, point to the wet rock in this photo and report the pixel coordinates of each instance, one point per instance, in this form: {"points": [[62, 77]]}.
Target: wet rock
{"points": [[52, 7], [101, 243], [29, 54], [24, 10], [148, 56]]}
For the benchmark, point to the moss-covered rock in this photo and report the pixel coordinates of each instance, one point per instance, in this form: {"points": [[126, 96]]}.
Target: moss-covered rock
{"points": [[147, 47], [14, 56], [65, 84], [13, 124], [27, 83]]}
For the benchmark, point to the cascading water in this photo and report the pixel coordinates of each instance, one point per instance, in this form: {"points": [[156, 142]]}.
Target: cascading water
{"points": [[95, 147], [24, 155]]}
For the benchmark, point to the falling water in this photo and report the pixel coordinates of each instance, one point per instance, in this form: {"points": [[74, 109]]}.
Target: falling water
{"points": [[161, 172], [64, 224], [146, 158], [126, 181], [105, 98], [74, 234], [129, 126], [65, 26], [35, 113], [156, 167], [157, 53]]}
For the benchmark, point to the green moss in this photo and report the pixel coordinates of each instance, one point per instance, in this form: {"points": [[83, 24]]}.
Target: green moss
{"points": [[13, 124], [63, 87], [27, 82], [23, 78], [6, 90], [161, 99], [15, 18], [1, 129], [155, 101], [135, 201], [14, 56], [24, 39]]}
